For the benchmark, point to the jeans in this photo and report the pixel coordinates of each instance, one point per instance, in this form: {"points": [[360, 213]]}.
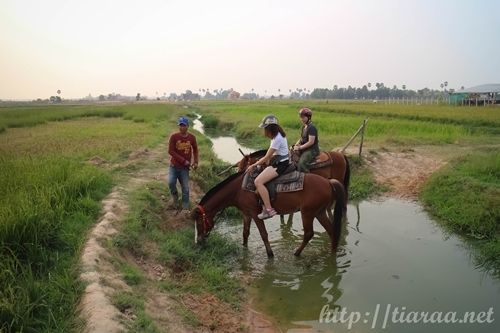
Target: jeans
{"points": [[183, 176]]}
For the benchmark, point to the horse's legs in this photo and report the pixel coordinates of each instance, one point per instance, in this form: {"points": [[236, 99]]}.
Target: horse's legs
{"points": [[307, 223], [330, 213], [326, 223], [247, 220], [288, 221], [263, 234]]}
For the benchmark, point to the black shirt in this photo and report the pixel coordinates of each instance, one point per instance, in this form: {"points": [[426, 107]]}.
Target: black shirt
{"points": [[306, 131]]}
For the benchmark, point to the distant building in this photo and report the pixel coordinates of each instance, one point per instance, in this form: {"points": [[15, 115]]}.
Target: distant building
{"points": [[479, 95]]}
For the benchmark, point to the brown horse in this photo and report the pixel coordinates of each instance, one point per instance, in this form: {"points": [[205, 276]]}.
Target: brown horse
{"points": [[317, 195], [339, 169]]}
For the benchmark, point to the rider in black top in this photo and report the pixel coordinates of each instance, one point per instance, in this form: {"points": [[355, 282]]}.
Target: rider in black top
{"points": [[308, 144]]}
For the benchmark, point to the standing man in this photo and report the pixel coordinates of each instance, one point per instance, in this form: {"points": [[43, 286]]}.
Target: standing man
{"points": [[183, 151]]}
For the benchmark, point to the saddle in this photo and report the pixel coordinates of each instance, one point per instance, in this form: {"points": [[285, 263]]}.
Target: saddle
{"points": [[290, 181], [322, 160]]}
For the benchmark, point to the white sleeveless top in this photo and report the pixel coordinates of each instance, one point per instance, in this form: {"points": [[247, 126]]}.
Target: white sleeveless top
{"points": [[280, 144]]}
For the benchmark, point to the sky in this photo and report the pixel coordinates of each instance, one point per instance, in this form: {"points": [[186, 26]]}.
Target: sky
{"points": [[101, 46]]}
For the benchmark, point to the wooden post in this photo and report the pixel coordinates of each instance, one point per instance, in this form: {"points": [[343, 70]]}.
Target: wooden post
{"points": [[362, 138], [355, 135]]}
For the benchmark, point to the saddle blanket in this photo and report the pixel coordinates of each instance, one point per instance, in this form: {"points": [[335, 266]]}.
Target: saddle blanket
{"points": [[289, 182]]}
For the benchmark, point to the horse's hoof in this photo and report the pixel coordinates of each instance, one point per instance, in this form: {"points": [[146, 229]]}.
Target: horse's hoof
{"points": [[297, 253], [270, 254]]}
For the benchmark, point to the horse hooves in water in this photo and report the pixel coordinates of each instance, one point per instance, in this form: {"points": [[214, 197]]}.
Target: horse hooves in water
{"points": [[270, 254]]}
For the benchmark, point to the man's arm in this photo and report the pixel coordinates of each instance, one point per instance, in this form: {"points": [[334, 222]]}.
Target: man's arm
{"points": [[195, 150]]}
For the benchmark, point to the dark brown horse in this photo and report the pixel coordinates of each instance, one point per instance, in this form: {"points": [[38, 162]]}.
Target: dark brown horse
{"points": [[317, 195]]}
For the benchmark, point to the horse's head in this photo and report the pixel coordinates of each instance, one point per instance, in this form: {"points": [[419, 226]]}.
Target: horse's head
{"points": [[244, 163], [250, 159], [203, 223]]}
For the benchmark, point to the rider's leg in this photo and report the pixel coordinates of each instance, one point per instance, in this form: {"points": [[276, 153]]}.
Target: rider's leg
{"points": [[268, 174], [305, 158]]}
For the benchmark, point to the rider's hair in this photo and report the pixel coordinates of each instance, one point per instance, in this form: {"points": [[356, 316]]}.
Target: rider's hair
{"points": [[274, 129]]}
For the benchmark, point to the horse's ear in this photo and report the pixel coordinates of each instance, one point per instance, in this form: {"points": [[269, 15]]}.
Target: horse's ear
{"points": [[247, 157]]}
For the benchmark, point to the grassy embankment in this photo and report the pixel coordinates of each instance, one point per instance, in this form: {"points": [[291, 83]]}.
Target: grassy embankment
{"points": [[50, 197], [463, 195]]}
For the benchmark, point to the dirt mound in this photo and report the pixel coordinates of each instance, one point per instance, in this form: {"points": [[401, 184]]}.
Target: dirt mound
{"points": [[403, 173], [96, 160], [97, 271]]}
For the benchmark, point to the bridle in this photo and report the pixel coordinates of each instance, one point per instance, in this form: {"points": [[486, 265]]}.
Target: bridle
{"points": [[207, 225]]}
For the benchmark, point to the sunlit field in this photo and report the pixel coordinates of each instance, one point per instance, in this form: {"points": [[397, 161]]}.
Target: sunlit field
{"points": [[388, 124], [50, 194]]}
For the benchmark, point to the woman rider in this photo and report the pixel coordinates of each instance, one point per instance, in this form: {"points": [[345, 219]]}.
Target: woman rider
{"points": [[308, 145], [277, 156]]}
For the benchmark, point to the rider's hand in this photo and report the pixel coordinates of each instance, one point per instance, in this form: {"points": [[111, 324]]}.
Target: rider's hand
{"points": [[195, 165], [186, 163], [296, 147], [251, 167]]}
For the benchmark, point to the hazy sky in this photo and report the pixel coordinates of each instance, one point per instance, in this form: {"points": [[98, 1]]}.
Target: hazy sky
{"points": [[100, 46]]}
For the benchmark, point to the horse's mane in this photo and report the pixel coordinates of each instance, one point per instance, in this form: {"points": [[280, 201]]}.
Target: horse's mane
{"points": [[258, 153], [217, 187]]}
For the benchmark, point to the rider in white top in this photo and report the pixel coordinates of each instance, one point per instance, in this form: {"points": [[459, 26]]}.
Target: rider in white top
{"points": [[280, 145], [277, 156]]}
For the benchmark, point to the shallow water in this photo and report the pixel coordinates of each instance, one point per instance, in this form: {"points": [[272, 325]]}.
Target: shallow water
{"points": [[391, 255], [225, 147]]}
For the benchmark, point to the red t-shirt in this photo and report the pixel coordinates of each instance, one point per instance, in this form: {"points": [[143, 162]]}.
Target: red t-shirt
{"points": [[181, 148]]}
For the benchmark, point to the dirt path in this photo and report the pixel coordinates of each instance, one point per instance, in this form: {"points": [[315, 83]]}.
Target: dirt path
{"points": [[403, 173], [97, 269], [103, 280]]}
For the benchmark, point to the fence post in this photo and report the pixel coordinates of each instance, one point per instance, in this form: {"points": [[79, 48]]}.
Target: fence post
{"points": [[362, 138]]}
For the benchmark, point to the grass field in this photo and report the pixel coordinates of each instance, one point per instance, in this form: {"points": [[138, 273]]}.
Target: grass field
{"points": [[50, 196], [388, 124]]}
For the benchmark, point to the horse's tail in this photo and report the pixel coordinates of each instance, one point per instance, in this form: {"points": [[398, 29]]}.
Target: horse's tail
{"points": [[338, 191], [347, 178]]}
